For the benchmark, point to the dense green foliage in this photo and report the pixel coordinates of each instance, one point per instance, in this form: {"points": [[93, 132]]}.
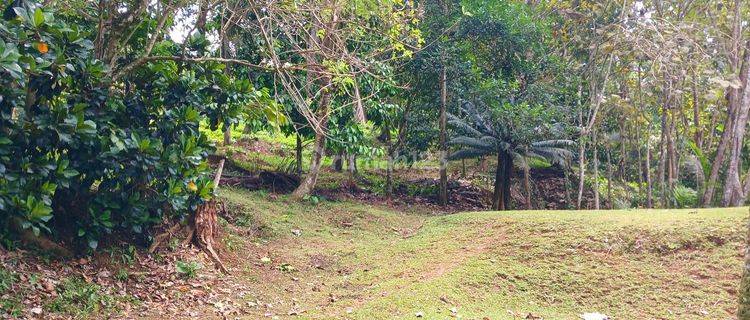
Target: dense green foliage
{"points": [[86, 157]]}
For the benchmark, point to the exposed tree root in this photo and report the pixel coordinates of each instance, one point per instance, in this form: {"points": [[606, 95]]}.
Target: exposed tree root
{"points": [[207, 229], [202, 229], [28, 238], [160, 238]]}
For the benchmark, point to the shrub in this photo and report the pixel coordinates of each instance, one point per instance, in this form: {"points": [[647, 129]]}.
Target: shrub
{"points": [[187, 269], [685, 197], [82, 156]]}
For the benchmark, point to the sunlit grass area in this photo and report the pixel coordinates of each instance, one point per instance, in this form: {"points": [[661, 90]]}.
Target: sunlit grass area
{"points": [[381, 263]]}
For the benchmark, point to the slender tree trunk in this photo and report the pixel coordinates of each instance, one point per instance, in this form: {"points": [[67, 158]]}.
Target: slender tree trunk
{"points": [[649, 193], [581, 156], [581, 171], [746, 191], [463, 168], [609, 180], [298, 155], [527, 185], [498, 192], [443, 192], [623, 152], [637, 146], [596, 171], [389, 162], [568, 199], [649, 186], [698, 133], [389, 177], [663, 159], [352, 164], [672, 153]]}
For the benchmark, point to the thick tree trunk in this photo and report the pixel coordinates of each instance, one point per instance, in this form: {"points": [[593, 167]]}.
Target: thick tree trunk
{"points": [[508, 167], [443, 190], [503, 172], [733, 189], [734, 100], [338, 161], [713, 177]]}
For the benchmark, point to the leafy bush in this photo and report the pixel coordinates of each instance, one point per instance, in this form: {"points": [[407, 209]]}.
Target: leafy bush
{"points": [[187, 269], [685, 197], [84, 156]]}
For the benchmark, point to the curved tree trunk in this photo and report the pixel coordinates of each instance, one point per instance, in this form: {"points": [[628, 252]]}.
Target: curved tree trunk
{"points": [[308, 183], [319, 147]]}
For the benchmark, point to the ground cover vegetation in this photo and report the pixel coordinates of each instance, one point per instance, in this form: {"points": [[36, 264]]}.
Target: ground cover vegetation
{"points": [[135, 130]]}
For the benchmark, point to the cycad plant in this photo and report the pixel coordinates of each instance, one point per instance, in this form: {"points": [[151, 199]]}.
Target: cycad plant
{"points": [[481, 134]]}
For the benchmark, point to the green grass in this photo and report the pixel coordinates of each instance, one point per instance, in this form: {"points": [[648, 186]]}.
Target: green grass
{"points": [[382, 264], [80, 299]]}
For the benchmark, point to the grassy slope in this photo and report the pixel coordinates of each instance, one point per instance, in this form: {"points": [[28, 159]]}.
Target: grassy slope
{"points": [[374, 263]]}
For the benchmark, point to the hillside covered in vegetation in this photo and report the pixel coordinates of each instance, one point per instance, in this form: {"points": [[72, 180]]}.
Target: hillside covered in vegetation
{"points": [[374, 159]]}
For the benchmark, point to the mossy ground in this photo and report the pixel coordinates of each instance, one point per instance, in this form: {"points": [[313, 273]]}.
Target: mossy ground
{"points": [[359, 261]]}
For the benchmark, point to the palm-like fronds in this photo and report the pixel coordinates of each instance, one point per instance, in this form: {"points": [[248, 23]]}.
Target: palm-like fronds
{"points": [[558, 156], [469, 153], [463, 125], [473, 143], [553, 143]]}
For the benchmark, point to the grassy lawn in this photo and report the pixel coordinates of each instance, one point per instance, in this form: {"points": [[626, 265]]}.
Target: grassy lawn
{"points": [[356, 261]]}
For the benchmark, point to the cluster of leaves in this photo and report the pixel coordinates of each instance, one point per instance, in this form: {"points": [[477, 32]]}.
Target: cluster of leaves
{"points": [[82, 156]]}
